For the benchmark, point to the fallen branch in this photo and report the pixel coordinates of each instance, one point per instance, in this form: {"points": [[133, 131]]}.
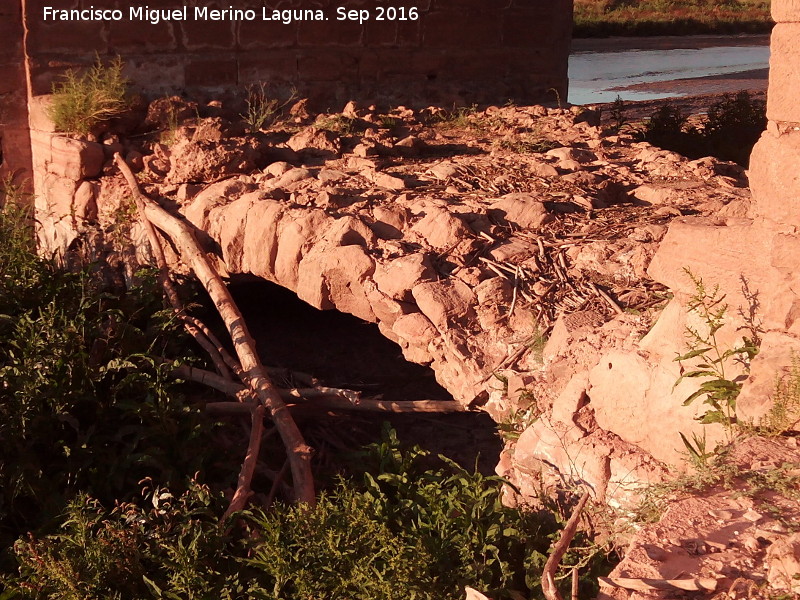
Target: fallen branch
{"points": [[701, 584], [243, 490], [322, 397], [609, 300], [548, 574], [311, 397], [192, 326], [253, 372]]}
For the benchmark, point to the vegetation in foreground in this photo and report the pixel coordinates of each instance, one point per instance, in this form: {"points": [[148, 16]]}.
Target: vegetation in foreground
{"points": [[111, 481], [728, 131], [403, 532], [600, 18]]}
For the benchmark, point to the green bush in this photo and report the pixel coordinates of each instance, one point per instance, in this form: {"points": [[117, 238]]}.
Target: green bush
{"points": [[83, 405], [404, 532], [729, 130], [80, 102]]}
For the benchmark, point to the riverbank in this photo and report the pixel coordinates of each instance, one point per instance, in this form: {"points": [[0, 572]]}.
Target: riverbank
{"points": [[602, 18]]}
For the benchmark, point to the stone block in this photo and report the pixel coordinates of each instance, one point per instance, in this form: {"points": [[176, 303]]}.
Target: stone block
{"points": [[72, 37], [11, 33], [786, 11], [57, 196], [75, 159], [409, 33], [276, 66], [521, 209], [125, 36], [445, 302], [775, 176], [36, 7], [214, 72], [640, 403], [519, 26], [346, 269], [14, 111], [38, 114], [774, 361], [324, 65], [257, 34], [381, 33], [205, 35], [330, 33], [784, 74], [451, 29], [261, 239], [16, 149], [85, 201], [158, 74], [398, 277]]}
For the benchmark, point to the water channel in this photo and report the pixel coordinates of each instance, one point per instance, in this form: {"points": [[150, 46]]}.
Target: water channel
{"points": [[663, 67]]}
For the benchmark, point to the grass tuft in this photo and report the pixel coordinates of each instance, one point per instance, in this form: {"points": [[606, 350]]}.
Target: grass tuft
{"points": [[80, 102]]}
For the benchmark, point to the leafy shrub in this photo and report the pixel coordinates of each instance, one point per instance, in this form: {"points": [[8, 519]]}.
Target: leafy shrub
{"points": [[729, 130], [733, 126], [83, 405], [168, 547], [405, 532], [80, 102], [668, 128]]}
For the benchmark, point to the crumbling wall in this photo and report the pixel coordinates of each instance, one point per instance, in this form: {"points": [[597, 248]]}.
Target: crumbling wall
{"points": [[755, 260]]}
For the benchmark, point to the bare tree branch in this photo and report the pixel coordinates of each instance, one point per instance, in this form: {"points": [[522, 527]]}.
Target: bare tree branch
{"points": [[548, 574], [253, 372]]}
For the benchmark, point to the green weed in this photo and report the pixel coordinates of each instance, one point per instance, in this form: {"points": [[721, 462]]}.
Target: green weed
{"points": [[80, 102], [169, 135], [617, 115], [462, 118], [717, 390], [338, 124], [528, 144], [404, 531], [785, 410], [262, 111]]}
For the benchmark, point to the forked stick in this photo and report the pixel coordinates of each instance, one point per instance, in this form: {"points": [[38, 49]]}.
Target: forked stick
{"points": [[548, 574], [254, 374]]}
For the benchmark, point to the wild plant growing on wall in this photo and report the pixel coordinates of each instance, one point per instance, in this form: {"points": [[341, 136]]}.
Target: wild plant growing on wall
{"points": [[82, 101]]}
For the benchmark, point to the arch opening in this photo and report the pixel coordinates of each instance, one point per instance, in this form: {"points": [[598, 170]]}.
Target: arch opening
{"points": [[340, 350]]}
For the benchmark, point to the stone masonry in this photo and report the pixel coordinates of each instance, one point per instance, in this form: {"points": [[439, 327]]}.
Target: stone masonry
{"points": [[469, 51], [15, 152]]}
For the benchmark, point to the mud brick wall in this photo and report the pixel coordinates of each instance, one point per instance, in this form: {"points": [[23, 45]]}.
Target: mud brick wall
{"points": [[15, 152], [468, 50]]}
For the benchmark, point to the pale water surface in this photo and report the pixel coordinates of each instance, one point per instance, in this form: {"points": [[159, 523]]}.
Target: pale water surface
{"points": [[596, 77]]}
